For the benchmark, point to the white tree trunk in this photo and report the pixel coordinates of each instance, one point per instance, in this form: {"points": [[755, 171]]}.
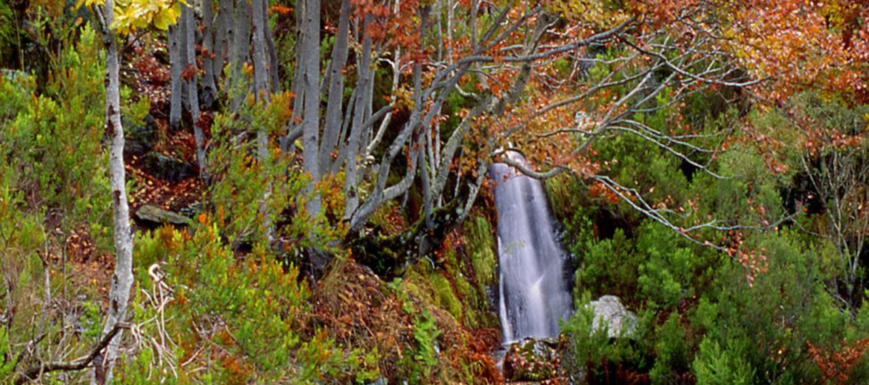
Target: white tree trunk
{"points": [[310, 54], [223, 36], [261, 83], [122, 279], [209, 57], [272, 51]]}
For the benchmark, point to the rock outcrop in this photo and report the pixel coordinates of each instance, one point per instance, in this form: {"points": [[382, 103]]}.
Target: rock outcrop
{"points": [[610, 311], [154, 214]]}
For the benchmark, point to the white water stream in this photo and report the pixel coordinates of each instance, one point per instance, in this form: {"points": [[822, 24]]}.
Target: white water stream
{"points": [[533, 293]]}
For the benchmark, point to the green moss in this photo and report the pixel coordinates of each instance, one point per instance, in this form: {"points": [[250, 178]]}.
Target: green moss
{"points": [[481, 246], [561, 192], [458, 286], [416, 282], [446, 298]]}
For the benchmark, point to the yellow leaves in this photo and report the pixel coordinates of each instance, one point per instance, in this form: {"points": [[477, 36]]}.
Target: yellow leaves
{"points": [[167, 17], [132, 15], [142, 14], [403, 98], [591, 12]]}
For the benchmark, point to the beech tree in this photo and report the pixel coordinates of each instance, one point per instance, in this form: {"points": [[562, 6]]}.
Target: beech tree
{"points": [[122, 279], [135, 14], [502, 66], [471, 80]]}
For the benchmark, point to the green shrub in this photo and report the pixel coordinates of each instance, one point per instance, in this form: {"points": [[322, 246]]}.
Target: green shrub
{"points": [[714, 366], [244, 314], [673, 351], [589, 349], [7, 367], [52, 142], [610, 266], [425, 332], [672, 268], [764, 328]]}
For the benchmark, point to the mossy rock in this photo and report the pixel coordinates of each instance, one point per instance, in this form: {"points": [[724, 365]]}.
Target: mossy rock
{"points": [[481, 246], [532, 360], [447, 299], [154, 214]]}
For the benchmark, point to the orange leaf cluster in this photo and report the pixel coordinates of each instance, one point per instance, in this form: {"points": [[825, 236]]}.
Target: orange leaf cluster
{"points": [[836, 366]]}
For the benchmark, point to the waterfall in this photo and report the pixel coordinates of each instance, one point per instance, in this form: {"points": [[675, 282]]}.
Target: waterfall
{"points": [[533, 293]]}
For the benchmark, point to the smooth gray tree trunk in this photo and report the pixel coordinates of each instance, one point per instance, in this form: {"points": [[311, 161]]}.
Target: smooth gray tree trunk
{"points": [[351, 194], [192, 88], [122, 279], [332, 125], [293, 129], [209, 56], [176, 64], [223, 36], [310, 54], [240, 52], [263, 90], [272, 51]]}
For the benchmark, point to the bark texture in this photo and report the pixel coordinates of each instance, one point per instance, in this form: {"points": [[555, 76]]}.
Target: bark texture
{"points": [[176, 63], [122, 279], [310, 55]]}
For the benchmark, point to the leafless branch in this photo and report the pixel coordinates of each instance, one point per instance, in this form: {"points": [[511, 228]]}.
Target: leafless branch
{"points": [[34, 372]]}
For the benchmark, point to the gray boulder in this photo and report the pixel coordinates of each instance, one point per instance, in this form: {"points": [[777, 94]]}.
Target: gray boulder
{"points": [[610, 311], [157, 215]]}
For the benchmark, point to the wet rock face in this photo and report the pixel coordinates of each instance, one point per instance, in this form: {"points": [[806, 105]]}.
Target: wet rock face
{"points": [[532, 360], [610, 311]]}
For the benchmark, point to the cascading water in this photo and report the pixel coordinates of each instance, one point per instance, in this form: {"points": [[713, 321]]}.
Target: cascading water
{"points": [[533, 292]]}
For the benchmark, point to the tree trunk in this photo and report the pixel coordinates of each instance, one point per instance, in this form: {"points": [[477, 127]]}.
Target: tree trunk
{"points": [[176, 64], [239, 53], [350, 189], [332, 124], [224, 35], [260, 61], [381, 193], [209, 57], [293, 128], [192, 89], [310, 54], [272, 51], [261, 84], [122, 279]]}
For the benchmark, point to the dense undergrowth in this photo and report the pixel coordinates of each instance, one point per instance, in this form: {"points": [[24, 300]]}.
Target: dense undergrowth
{"points": [[778, 312], [213, 304]]}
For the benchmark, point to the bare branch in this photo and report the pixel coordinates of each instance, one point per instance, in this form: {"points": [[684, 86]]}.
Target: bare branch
{"points": [[34, 372]]}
